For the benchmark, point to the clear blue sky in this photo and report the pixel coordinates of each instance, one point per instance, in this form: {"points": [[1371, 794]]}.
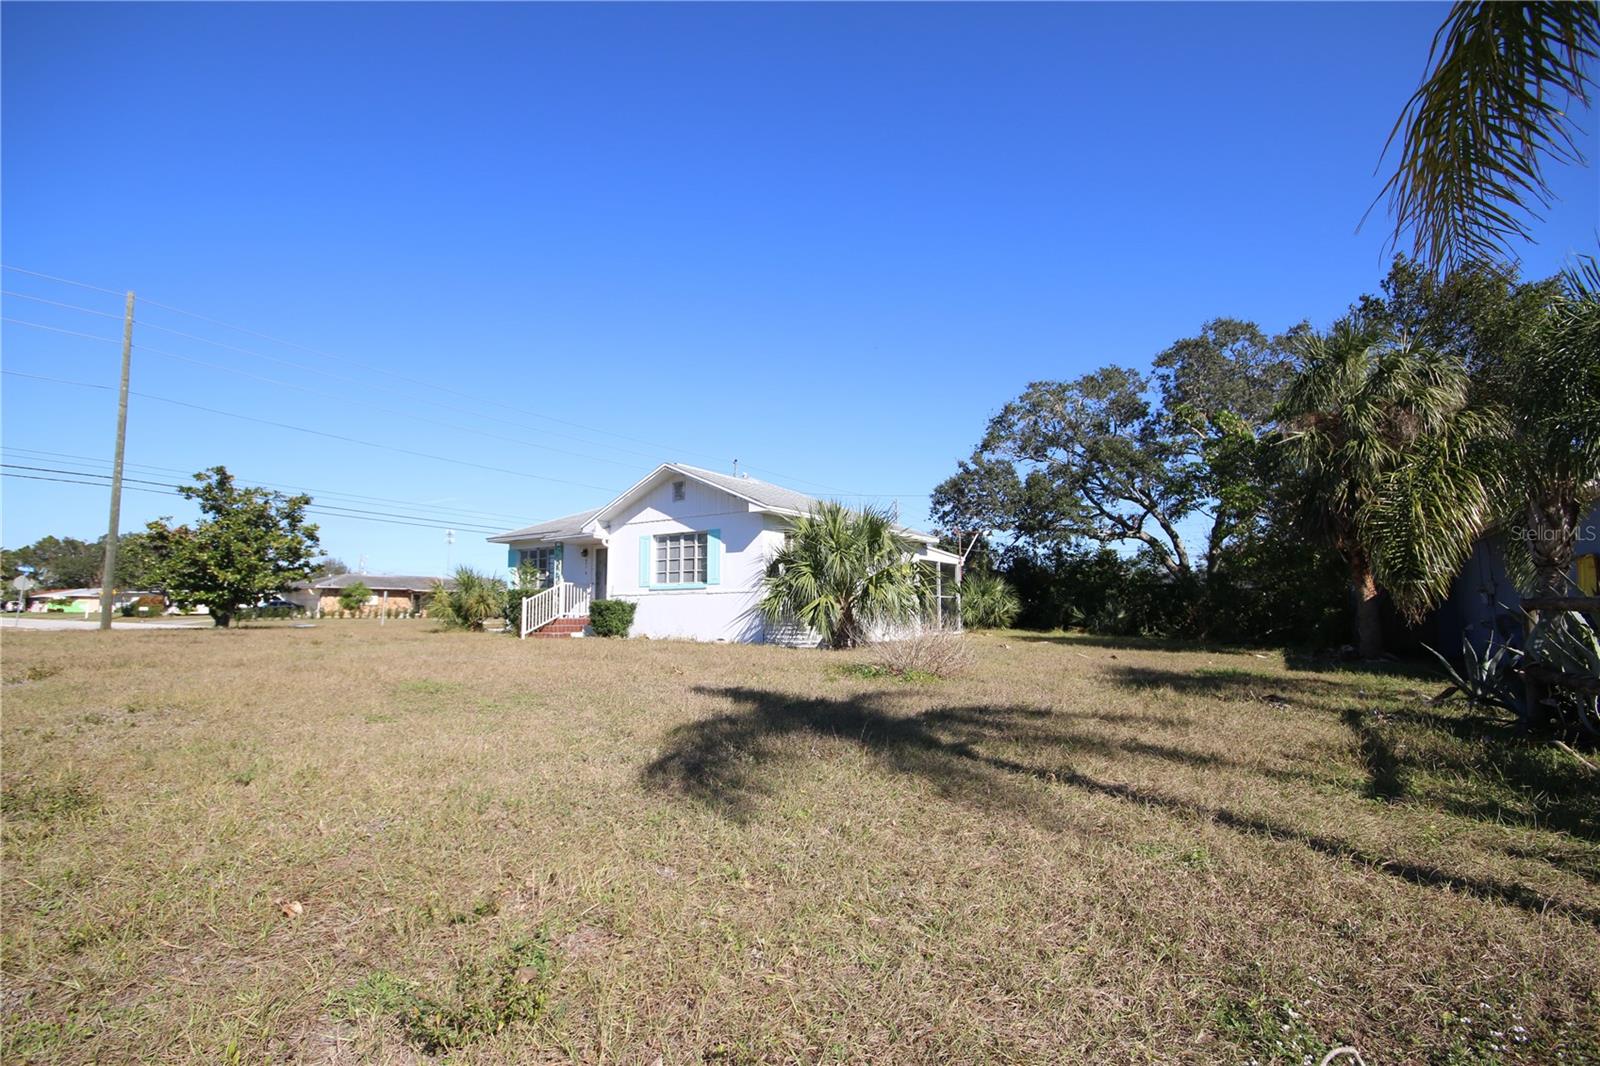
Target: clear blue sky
{"points": [[828, 241]]}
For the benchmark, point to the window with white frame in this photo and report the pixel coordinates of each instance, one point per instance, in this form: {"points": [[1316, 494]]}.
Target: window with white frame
{"points": [[681, 559], [679, 491], [542, 560]]}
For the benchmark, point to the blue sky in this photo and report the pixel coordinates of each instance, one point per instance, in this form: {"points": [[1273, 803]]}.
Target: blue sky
{"points": [[828, 241]]}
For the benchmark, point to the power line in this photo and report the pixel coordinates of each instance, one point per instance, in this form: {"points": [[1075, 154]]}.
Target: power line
{"points": [[332, 511], [314, 432], [414, 381], [64, 281], [86, 460], [57, 303], [325, 394], [353, 511]]}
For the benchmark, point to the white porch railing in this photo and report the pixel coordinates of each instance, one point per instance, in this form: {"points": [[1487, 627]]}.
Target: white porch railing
{"points": [[561, 600]]}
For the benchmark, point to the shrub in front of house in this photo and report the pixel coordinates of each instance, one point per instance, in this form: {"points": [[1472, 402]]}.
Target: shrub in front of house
{"points": [[611, 618]]}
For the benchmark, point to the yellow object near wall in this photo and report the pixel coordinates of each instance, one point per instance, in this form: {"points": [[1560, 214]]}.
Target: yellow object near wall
{"points": [[1589, 574]]}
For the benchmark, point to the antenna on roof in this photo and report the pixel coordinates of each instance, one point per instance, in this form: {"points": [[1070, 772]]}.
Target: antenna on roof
{"points": [[736, 468]]}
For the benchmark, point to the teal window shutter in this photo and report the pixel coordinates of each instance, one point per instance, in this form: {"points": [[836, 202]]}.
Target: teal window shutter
{"points": [[513, 558], [555, 563], [713, 556], [644, 561]]}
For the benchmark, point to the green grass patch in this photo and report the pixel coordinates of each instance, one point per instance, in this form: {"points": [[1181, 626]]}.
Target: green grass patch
{"points": [[510, 988], [880, 672], [46, 801]]}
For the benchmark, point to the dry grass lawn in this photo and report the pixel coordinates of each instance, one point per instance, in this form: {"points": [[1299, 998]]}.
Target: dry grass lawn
{"points": [[636, 852]]}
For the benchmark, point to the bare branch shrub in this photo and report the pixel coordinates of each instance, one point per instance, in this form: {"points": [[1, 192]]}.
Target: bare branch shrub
{"points": [[931, 653]]}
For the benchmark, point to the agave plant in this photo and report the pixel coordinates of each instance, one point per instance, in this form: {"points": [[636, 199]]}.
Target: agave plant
{"points": [[1485, 680], [1564, 643], [1560, 644]]}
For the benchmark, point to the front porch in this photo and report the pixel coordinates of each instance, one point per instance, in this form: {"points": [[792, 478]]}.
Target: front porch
{"points": [[563, 578]]}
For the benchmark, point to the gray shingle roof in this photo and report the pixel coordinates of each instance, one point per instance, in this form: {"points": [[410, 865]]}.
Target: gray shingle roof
{"points": [[375, 582], [765, 494], [565, 526]]}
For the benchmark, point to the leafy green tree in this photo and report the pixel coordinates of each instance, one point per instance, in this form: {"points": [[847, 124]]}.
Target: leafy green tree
{"points": [[354, 597], [1119, 457], [1495, 107], [328, 566], [1478, 314], [841, 572], [60, 562], [67, 562], [1101, 464], [1383, 440], [249, 542]]}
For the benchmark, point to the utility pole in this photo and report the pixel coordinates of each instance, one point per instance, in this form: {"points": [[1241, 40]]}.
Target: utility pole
{"points": [[108, 575]]}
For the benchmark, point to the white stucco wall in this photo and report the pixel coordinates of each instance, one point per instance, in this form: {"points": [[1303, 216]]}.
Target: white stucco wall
{"points": [[721, 611]]}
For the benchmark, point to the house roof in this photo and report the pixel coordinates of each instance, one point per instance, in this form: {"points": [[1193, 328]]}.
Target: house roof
{"points": [[375, 582], [565, 526], [80, 594], [763, 495]]}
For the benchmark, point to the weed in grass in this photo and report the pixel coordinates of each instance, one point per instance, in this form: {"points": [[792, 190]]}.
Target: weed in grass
{"points": [[511, 988], [487, 907], [46, 801], [879, 672], [247, 774], [378, 995], [31, 672], [1268, 1030], [425, 687]]}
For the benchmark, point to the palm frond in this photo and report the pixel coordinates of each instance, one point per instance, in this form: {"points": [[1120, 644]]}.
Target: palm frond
{"points": [[1493, 110]]}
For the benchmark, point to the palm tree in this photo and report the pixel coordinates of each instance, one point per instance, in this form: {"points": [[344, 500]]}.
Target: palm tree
{"points": [[988, 601], [1493, 109], [1551, 392], [1386, 450], [470, 601], [841, 572]]}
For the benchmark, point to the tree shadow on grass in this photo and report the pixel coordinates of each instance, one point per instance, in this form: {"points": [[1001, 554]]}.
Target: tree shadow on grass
{"points": [[1097, 640], [1236, 685], [730, 761], [1492, 774]]}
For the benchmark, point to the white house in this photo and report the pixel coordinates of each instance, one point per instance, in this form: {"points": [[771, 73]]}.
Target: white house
{"points": [[690, 547]]}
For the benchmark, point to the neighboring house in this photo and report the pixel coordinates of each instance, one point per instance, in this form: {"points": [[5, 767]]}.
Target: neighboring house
{"points": [[1483, 599], [690, 547], [86, 601], [390, 592]]}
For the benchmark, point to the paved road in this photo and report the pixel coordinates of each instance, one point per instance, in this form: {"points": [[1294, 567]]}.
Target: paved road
{"points": [[11, 621]]}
